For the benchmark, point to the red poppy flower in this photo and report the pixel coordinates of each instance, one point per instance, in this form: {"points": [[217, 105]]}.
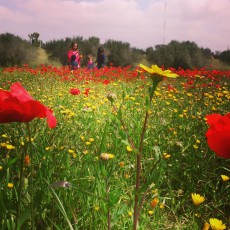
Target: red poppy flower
{"points": [[17, 105], [170, 87], [87, 92], [106, 82], [75, 91], [218, 134]]}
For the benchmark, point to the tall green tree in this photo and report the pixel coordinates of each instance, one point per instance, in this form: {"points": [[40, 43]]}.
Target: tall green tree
{"points": [[177, 54], [118, 53], [225, 56]]}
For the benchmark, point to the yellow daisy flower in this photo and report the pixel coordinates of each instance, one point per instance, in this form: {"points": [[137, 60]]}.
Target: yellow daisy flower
{"points": [[129, 149], [10, 185], [166, 155], [197, 199], [158, 71], [111, 156], [150, 212], [224, 178], [130, 213], [216, 224]]}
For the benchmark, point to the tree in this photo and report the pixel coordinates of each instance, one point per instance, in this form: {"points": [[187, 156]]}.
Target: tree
{"points": [[15, 51], [225, 56], [34, 39], [118, 53], [177, 54]]}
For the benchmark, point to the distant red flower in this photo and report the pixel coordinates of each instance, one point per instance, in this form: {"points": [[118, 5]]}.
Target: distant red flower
{"points": [[170, 87], [218, 134], [27, 160], [87, 91], [75, 91], [106, 82], [17, 105]]}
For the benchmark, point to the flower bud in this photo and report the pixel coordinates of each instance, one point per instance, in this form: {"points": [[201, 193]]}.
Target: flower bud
{"points": [[104, 156], [111, 97]]}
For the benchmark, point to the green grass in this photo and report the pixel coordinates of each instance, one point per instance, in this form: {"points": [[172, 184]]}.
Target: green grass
{"points": [[88, 126]]}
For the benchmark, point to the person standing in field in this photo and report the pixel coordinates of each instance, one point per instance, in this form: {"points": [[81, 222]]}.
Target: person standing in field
{"points": [[100, 58], [73, 56]]}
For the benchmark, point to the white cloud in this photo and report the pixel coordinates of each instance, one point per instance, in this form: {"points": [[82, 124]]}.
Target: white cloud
{"points": [[138, 22]]}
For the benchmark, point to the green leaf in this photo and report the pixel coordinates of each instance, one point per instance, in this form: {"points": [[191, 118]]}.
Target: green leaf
{"points": [[25, 215], [157, 152]]}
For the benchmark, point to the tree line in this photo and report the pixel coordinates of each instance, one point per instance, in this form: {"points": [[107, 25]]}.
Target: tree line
{"points": [[187, 55]]}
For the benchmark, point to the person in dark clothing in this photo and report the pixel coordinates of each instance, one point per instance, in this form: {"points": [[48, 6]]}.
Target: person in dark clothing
{"points": [[100, 58]]}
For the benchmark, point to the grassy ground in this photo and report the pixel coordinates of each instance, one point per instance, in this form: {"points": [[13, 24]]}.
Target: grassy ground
{"points": [[175, 163]]}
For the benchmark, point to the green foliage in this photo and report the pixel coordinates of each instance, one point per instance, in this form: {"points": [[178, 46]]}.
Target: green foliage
{"points": [[15, 51], [225, 56], [186, 55], [34, 39], [118, 53]]}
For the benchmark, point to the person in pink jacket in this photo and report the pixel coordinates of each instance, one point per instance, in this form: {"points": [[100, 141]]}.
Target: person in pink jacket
{"points": [[74, 56]]}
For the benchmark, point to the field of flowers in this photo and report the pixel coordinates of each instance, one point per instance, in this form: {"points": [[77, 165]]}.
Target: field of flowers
{"points": [[115, 148]]}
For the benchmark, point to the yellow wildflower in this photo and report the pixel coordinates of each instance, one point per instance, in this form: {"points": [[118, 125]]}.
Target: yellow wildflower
{"points": [[166, 155], [224, 177], [70, 151], [85, 152], [130, 213], [10, 147], [10, 185], [111, 156], [197, 199], [129, 149], [216, 224], [157, 70], [206, 226], [195, 146], [150, 212]]}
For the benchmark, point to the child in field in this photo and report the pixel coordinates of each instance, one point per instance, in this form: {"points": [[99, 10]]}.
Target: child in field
{"points": [[74, 56], [90, 62]]}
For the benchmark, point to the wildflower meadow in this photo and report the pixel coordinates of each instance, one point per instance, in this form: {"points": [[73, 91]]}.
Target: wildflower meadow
{"points": [[115, 148]]}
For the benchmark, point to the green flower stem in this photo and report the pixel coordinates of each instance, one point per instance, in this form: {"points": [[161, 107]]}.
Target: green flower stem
{"points": [[107, 197], [137, 208], [20, 186], [32, 181]]}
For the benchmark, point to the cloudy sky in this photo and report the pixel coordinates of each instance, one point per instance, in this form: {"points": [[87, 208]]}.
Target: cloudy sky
{"points": [[141, 23]]}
